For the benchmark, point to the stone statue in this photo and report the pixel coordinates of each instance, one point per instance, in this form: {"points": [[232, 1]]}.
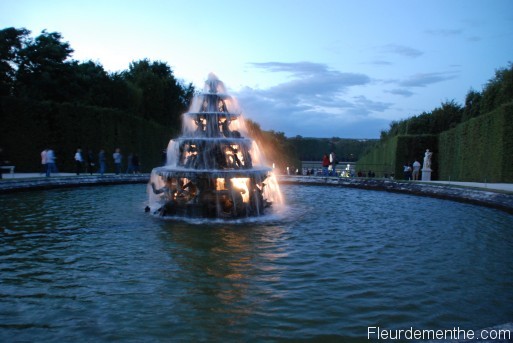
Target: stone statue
{"points": [[427, 159]]}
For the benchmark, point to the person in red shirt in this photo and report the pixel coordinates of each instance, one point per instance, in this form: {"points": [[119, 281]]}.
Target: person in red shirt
{"points": [[325, 164]]}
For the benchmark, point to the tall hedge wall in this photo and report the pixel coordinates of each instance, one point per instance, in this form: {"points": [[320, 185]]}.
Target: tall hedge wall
{"points": [[413, 147], [480, 149], [381, 159], [389, 157], [28, 127]]}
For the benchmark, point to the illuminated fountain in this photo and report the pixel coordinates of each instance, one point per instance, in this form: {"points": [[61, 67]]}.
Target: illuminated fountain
{"points": [[213, 170]]}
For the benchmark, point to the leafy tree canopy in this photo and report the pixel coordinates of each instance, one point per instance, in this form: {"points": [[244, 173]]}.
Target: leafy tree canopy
{"points": [[41, 68]]}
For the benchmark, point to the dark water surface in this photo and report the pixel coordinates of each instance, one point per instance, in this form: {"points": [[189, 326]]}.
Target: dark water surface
{"points": [[89, 265]]}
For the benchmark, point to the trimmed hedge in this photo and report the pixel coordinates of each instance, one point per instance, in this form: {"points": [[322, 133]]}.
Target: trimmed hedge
{"points": [[411, 148], [480, 149], [381, 159], [390, 156], [28, 127]]}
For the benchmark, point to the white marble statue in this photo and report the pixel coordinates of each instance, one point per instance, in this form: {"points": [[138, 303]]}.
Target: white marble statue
{"points": [[427, 159]]}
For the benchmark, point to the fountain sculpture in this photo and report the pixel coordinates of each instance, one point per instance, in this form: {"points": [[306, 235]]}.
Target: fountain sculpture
{"points": [[213, 170]]}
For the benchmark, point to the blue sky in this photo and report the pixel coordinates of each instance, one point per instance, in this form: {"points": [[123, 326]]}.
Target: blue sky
{"points": [[320, 68]]}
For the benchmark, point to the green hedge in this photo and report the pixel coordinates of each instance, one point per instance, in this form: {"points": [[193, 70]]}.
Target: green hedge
{"points": [[381, 159], [28, 127], [413, 147], [389, 157], [480, 149]]}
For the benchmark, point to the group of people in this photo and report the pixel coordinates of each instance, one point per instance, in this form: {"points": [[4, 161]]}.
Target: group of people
{"points": [[89, 162], [48, 165], [412, 171]]}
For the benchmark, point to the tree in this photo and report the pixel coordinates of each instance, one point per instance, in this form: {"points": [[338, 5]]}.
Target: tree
{"points": [[42, 72], [11, 42], [498, 90], [275, 146], [472, 105], [446, 117], [163, 97]]}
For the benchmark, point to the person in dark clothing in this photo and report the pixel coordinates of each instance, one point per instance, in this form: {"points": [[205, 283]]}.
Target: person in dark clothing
{"points": [[3, 161], [135, 164], [90, 161]]}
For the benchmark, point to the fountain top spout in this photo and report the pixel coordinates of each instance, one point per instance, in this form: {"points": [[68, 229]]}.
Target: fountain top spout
{"points": [[214, 85]]}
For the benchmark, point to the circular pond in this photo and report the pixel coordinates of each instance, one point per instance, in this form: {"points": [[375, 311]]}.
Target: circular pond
{"points": [[89, 264]]}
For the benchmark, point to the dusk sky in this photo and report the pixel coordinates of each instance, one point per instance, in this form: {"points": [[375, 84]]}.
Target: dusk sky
{"points": [[323, 68]]}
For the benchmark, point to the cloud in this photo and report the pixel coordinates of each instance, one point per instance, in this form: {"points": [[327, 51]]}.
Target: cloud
{"points": [[452, 32], [381, 62], [312, 78], [364, 106], [401, 50], [314, 102], [425, 79], [400, 91]]}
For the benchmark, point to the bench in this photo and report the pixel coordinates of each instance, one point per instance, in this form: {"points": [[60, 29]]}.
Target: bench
{"points": [[11, 169]]}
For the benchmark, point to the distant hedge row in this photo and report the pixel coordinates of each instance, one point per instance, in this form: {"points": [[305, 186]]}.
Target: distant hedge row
{"points": [[479, 150], [28, 127]]}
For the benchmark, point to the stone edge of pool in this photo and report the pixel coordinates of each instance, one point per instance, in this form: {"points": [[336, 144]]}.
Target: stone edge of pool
{"points": [[43, 183], [494, 198]]}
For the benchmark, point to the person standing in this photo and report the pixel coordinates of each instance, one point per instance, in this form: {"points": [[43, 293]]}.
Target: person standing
{"points": [[90, 161], [416, 170], [407, 171], [50, 162], [3, 161], [79, 160], [136, 164], [43, 161], [130, 168], [102, 160], [117, 161], [333, 164], [325, 164]]}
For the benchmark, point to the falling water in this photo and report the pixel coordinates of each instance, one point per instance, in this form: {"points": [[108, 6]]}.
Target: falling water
{"points": [[214, 169]]}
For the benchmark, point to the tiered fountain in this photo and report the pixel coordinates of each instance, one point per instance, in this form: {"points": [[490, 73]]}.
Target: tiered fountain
{"points": [[213, 170]]}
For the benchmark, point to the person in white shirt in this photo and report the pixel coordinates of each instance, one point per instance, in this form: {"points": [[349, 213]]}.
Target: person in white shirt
{"points": [[416, 169], [117, 160], [78, 161], [333, 164], [43, 161]]}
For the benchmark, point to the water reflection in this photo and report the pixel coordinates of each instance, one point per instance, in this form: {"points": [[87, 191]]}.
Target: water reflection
{"points": [[226, 272], [83, 265]]}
